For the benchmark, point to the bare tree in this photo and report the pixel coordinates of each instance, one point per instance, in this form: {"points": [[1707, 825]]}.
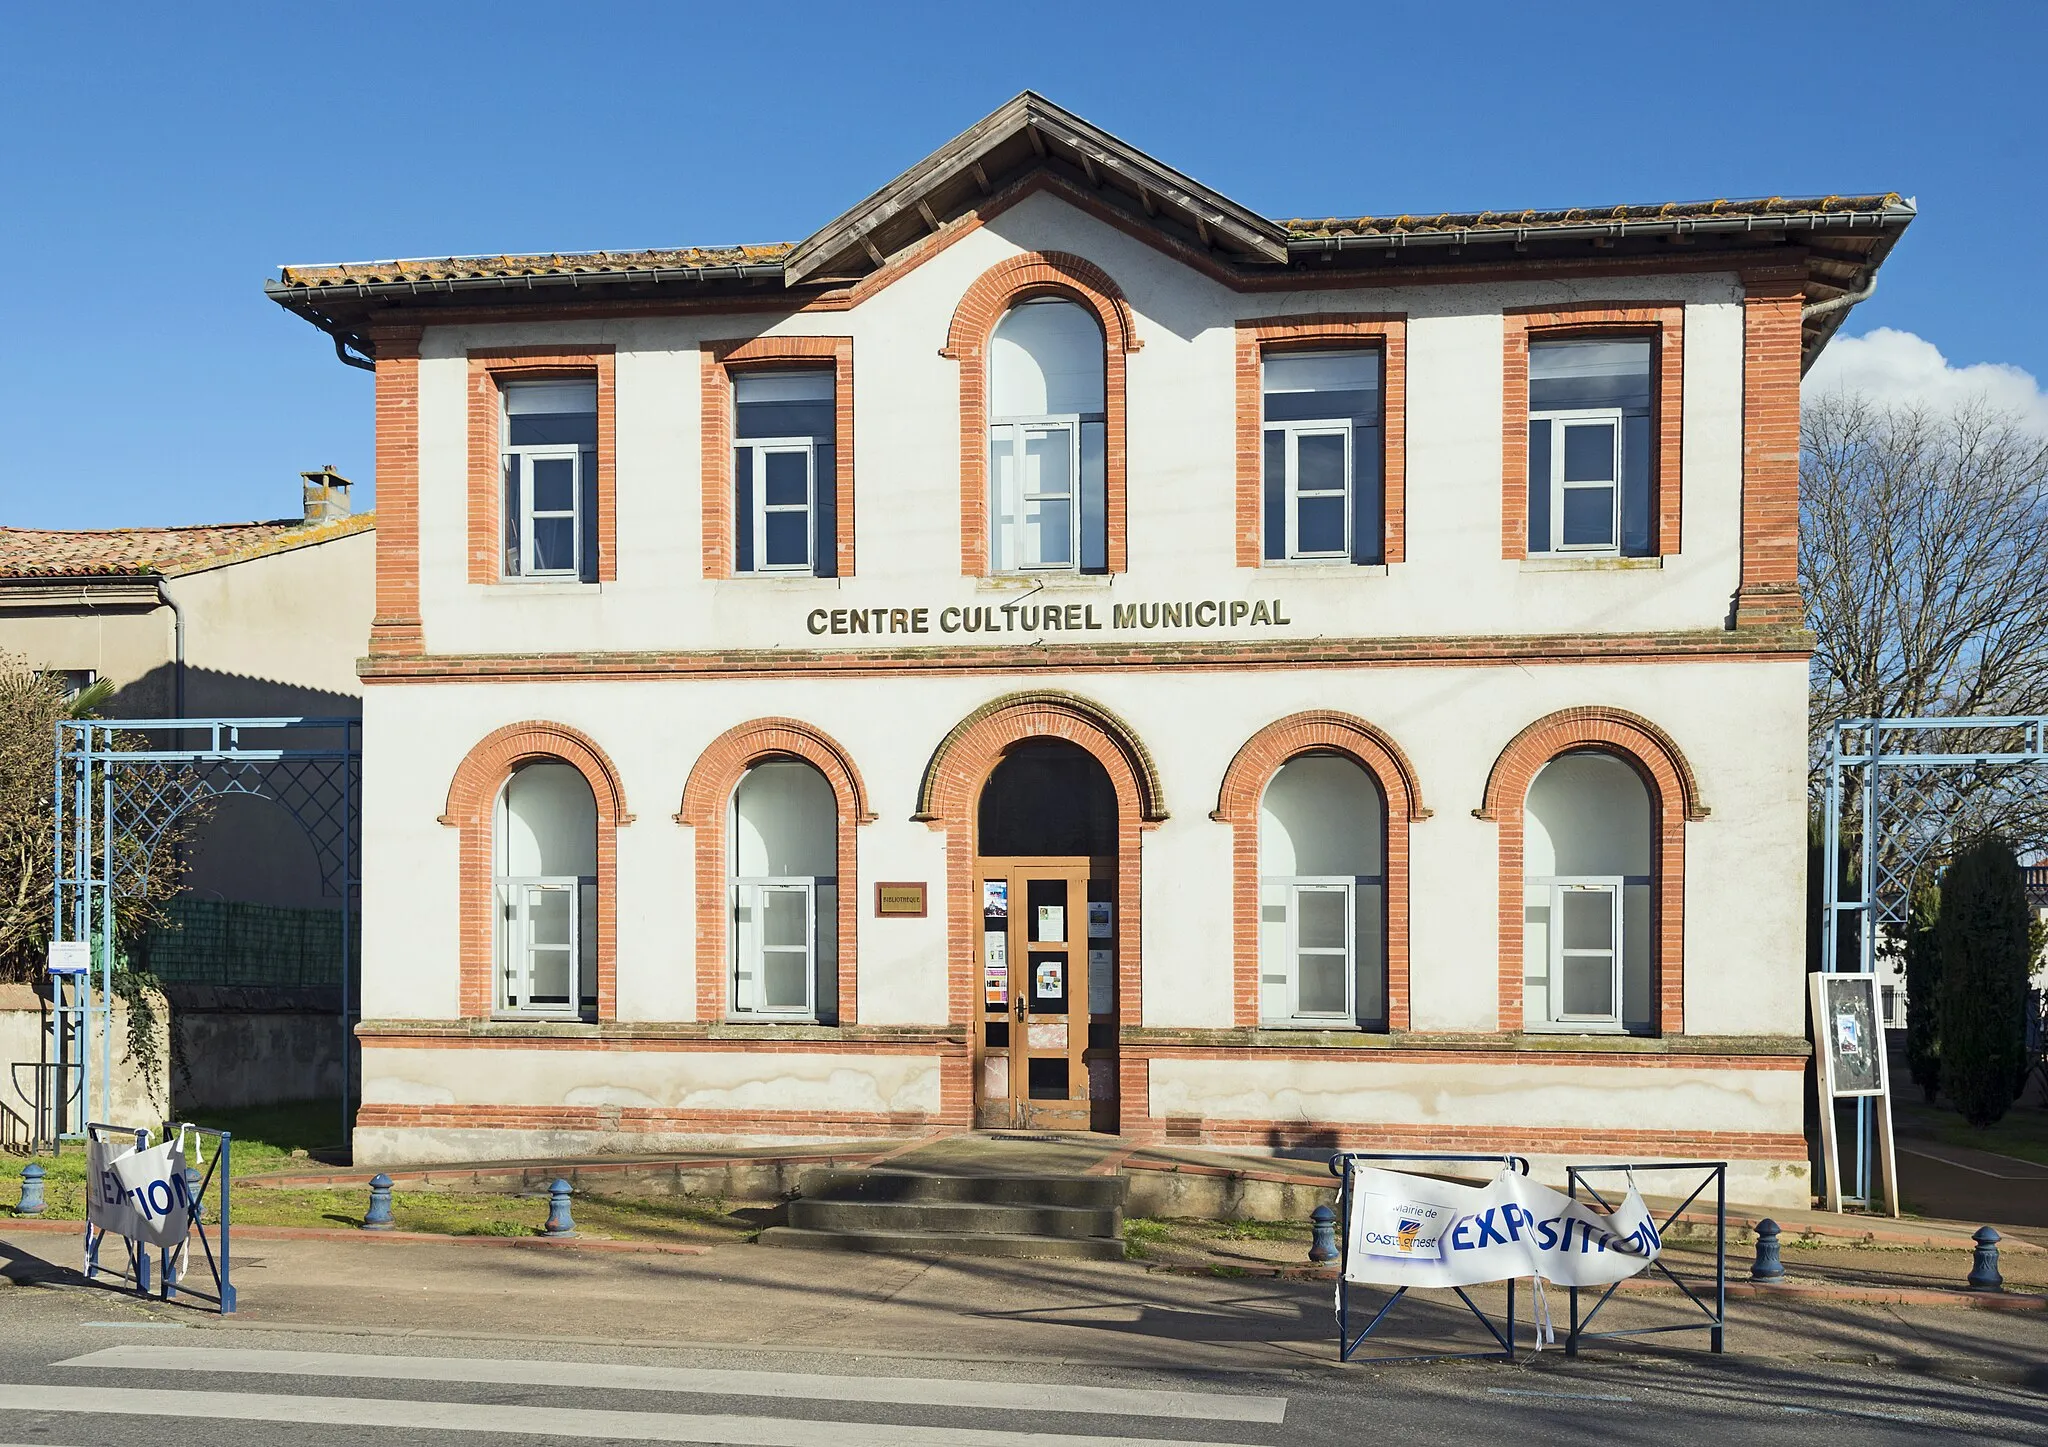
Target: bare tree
{"points": [[1924, 560], [146, 847]]}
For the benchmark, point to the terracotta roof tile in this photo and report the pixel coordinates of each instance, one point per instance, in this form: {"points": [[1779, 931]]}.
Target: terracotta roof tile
{"points": [[146, 552], [1496, 221], [456, 268]]}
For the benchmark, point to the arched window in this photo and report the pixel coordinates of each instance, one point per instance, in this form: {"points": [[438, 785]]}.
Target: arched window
{"points": [[1046, 440], [1322, 896], [1587, 882], [545, 849], [785, 894]]}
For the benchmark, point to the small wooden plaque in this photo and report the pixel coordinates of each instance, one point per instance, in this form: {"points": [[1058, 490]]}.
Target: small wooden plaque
{"points": [[900, 899]]}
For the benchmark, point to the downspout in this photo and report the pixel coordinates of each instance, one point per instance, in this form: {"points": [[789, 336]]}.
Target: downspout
{"points": [[1839, 303], [163, 591]]}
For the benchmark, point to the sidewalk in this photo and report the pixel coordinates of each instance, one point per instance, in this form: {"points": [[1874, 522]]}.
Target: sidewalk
{"points": [[1008, 1310]]}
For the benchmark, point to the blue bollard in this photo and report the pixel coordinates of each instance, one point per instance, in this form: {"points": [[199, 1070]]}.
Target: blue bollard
{"points": [[1984, 1266], [1769, 1268], [31, 1191], [378, 1217], [559, 1222], [1323, 1244]]}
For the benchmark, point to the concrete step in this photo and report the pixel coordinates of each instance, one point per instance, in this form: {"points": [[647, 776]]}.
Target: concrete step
{"points": [[1099, 1193], [965, 1218], [985, 1243]]}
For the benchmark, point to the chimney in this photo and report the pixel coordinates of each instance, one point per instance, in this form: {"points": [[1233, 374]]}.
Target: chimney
{"points": [[326, 496]]}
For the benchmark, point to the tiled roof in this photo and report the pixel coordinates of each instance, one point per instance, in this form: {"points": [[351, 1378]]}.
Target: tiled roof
{"points": [[147, 552], [1497, 221], [455, 268]]}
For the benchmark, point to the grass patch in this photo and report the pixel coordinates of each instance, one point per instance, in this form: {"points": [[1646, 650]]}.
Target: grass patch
{"points": [[1262, 1231]]}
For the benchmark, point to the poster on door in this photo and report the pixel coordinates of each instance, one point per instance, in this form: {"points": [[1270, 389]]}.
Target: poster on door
{"points": [[995, 899], [1050, 980], [1052, 922], [995, 968], [1098, 919]]}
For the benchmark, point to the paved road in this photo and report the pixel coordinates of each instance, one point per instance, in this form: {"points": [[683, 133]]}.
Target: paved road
{"points": [[78, 1369]]}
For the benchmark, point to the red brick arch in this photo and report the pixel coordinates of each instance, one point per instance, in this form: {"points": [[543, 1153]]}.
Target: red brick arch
{"points": [[994, 292], [1237, 804], [950, 799], [472, 799], [1674, 801], [706, 798]]}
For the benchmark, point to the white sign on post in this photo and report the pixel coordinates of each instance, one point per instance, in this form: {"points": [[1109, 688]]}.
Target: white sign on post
{"points": [[1408, 1230], [139, 1193], [69, 957]]}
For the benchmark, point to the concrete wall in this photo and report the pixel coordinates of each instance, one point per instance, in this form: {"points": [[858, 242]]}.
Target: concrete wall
{"points": [[136, 1099], [234, 1047]]}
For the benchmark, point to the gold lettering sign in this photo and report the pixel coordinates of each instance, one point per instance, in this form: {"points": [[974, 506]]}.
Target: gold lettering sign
{"points": [[900, 900], [1034, 620]]}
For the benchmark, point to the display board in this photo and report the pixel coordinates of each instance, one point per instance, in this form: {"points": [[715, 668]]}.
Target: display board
{"points": [[1849, 1050]]}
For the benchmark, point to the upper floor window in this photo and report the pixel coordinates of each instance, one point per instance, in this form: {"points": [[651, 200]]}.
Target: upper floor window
{"points": [[549, 462], [784, 474], [1591, 467], [1046, 441], [545, 849], [1586, 895], [1323, 475], [785, 893], [1322, 896]]}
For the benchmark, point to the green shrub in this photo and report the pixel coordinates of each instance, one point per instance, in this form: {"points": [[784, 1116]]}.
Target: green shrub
{"points": [[1981, 935]]}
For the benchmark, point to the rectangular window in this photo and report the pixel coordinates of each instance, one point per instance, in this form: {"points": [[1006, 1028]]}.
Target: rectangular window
{"points": [[1314, 931], [547, 946], [782, 928], [785, 488], [1047, 480], [549, 463], [1587, 941], [1591, 468], [1323, 458]]}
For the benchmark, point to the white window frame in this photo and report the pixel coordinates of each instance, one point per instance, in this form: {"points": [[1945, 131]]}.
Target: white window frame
{"points": [[761, 448], [1559, 423], [516, 949], [1007, 513], [1295, 885], [523, 458], [1294, 432], [749, 952]]}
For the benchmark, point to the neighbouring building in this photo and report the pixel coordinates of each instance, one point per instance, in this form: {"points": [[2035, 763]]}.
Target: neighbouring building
{"points": [[1057, 649]]}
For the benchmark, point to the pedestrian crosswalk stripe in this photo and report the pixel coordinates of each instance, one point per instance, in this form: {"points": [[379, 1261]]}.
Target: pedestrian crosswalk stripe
{"points": [[587, 1423], [902, 1391]]}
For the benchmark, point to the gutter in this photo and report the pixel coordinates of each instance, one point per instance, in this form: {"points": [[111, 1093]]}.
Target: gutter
{"points": [[1838, 303], [1808, 221], [286, 294]]}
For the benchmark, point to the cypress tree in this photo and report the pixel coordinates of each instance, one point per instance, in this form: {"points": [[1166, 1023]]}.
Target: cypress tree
{"points": [[1923, 993], [1981, 935]]}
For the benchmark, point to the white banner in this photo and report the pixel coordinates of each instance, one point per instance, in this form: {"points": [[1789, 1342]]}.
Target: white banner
{"points": [[140, 1194], [1414, 1231]]}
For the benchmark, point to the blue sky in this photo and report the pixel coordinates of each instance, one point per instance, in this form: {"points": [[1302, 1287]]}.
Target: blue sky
{"points": [[160, 162]]}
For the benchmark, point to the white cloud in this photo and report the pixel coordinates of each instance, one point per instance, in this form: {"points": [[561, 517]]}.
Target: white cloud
{"points": [[1888, 365]]}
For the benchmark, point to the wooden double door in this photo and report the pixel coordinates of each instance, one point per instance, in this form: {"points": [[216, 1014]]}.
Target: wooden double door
{"points": [[1046, 1046]]}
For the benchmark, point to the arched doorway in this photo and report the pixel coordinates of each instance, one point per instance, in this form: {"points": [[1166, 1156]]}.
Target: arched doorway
{"points": [[1046, 864]]}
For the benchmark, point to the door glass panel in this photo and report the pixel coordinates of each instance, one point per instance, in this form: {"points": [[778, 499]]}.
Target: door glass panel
{"points": [[788, 480], [1589, 452], [1320, 463], [1048, 1077], [1048, 461], [1588, 919], [1048, 532], [1588, 517], [547, 917], [554, 544], [554, 484], [1047, 901], [1588, 985]]}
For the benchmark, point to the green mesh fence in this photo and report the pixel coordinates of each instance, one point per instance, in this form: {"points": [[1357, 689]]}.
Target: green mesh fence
{"points": [[224, 942]]}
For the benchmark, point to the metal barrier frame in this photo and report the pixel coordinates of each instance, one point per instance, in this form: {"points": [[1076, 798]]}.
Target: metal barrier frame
{"points": [[1348, 1345], [1716, 1318], [171, 1259]]}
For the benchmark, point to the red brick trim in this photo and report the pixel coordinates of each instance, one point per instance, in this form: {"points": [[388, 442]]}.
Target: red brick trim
{"points": [[707, 797], [1662, 321], [489, 370], [1674, 800], [949, 802], [994, 292], [1256, 338], [1237, 804], [472, 799], [1769, 595], [720, 361], [396, 628]]}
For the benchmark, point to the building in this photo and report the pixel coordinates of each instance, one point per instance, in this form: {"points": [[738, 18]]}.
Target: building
{"points": [[1057, 649]]}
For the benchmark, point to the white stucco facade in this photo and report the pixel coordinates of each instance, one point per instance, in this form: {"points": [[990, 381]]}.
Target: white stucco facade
{"points": [[1463, 664]]}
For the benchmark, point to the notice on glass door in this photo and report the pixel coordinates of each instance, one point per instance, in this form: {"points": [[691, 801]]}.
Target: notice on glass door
{"points": [[1052, 921], [1098, 919], [995, 968], [1050, 980]]}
